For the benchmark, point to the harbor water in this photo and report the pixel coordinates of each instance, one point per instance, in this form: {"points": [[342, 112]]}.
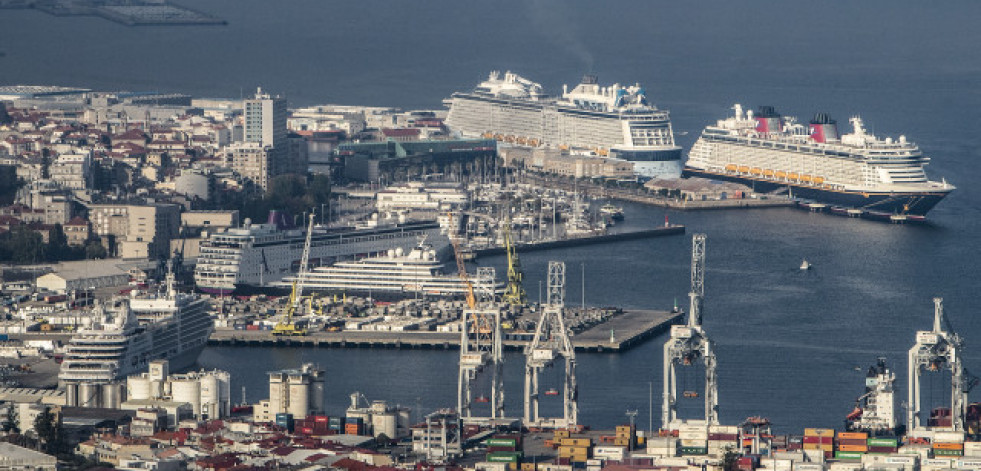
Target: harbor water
{"points": [[791, 345]]}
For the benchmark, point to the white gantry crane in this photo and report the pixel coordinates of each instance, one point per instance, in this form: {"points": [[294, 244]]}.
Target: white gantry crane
{"points": [[690, 345], [936, 350], [481, 347], [550, 342]]}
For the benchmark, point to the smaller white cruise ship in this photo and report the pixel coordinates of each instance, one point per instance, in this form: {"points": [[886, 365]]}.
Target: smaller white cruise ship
{"points": [[419, 272]]}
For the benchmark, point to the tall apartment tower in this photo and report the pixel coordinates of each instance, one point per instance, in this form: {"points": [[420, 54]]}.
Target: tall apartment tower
{"points": [[265, 120], [262, 154]]}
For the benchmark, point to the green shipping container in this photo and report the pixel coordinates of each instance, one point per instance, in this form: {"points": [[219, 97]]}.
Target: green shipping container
{"points": [[848, 455], [501, 442], [883, 442], [948, 452], [504, 457], [694, 450]]}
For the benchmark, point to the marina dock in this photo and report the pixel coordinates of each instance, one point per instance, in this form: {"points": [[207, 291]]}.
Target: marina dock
{"points": [[628, 329]]}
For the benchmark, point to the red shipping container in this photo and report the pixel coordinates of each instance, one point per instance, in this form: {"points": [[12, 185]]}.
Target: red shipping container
{"points": [[819, 440], [882, 449], [731, 437], [852, 442], [307, 430], [320, 418]]}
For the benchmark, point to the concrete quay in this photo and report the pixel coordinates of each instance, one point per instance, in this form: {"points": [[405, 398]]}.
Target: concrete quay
{"points": [[629, 329]]}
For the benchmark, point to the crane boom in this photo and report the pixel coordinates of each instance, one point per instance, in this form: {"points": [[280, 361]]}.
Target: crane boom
{"points": [[287, 326], [461, 267]]}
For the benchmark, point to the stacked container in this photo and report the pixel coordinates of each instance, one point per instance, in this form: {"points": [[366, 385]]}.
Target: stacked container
{"points": [[354, 426], [285, 421], [625, 436], [722, 438], [851, 445], [748, 463], [610, 453], [820, 439], [972, 449], [662, 446], [948, 444], [883, 445], [335, 424], [575, 450], [694, 439]]}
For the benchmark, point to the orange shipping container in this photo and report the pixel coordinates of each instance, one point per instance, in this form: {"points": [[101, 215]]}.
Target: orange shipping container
{"points": [[948, 446], [859, 448], [853, 435]]}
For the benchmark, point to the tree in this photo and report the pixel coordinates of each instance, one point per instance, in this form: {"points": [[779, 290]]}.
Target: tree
{"points": [[10, 423], [94, 249], [47, 430]]}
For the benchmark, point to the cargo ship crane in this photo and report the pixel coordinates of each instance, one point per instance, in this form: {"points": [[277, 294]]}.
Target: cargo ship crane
{"points": [[480, 346], [287, 326], [688, 345], [936, 350], [551, 340], [515, 294]]}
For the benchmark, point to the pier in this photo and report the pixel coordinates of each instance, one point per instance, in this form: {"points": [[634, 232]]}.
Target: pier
{"points": [[674, 229], [629, 329]]}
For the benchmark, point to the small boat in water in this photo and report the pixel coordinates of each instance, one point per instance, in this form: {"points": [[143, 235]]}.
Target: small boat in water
{"points": [[552, 392], [614, 212], [805, 265]]}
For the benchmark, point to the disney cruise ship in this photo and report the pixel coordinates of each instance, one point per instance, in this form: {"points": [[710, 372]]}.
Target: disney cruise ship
{"points": [[856, 170], [615, 121]]}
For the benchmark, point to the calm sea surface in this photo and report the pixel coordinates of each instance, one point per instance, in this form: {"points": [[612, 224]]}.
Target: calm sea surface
{"points": [[788, 342]]}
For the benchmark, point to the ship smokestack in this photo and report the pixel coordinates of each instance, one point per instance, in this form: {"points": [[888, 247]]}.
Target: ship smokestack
{"points": [[823, 128], [768, 120]]}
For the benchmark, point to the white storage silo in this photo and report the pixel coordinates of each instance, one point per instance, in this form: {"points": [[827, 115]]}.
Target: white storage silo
{"points": [[112, 395], [384, 423], [89, 394], [138, 388], [187, 390], [299, 404]]}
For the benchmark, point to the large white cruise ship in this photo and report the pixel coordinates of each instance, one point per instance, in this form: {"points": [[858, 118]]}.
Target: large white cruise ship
{"points": [[616, 120], [127, 334], [856, 171], [256, 256], [419, 272]]}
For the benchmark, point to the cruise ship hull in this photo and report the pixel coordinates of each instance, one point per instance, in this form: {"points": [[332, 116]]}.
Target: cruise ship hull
{"points": [[909, 203]]}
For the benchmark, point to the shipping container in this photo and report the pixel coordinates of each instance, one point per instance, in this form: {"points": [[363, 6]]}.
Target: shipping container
{"points": [[575, 442], [501, 442], [853, 435], [882, 442], [858, 448], [852, 442], [848, 455], [819, 432], [815, 439], [948, 446], [694, 450]]}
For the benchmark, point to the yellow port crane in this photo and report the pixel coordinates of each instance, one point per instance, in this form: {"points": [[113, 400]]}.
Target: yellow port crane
{"points": [[461, 266], [515, 294], [287, 326]]}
